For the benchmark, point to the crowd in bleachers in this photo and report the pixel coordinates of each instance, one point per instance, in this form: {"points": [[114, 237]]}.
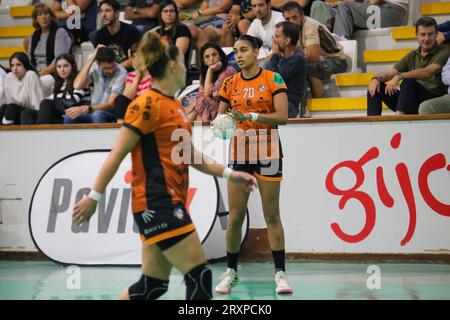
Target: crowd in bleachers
{"points": [[301, 41]]}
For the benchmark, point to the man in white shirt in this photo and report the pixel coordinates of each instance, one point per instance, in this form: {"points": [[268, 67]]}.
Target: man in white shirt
{"points": [[353, 15], [263, 27]]}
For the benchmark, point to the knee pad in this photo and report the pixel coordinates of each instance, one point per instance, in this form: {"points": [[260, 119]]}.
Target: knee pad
{"points": [[148, 288], [198, 283]]}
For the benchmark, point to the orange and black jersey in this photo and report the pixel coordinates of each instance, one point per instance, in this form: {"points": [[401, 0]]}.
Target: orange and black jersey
{"points": [[157, 181], [254, 95]]}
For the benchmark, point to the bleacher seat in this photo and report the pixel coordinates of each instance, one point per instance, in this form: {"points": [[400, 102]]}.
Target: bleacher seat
{"points": [[351, 55]]}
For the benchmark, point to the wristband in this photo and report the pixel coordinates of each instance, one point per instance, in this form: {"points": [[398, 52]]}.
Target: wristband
{"points": [[254, 116], [94, 195], [227, 173]]}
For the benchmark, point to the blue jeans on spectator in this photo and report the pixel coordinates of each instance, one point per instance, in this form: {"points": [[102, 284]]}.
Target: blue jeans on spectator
{"points": [[99, 116]]}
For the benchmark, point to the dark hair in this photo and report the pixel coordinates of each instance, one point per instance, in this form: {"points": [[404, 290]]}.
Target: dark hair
{"points": [[162, 5], [113, 3], [289, 30], [38, 9], [155, 54], [426, 22], [204, 67], [24, 59], [105, 54], [70, 79], [256, 43], [292, 5]]}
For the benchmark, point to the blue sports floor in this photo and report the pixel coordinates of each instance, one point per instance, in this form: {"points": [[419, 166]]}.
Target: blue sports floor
{"points": [[32, 280]]}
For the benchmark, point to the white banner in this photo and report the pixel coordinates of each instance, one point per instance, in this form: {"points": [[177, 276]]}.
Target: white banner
{"points": [[111, 237], [357, 187]]}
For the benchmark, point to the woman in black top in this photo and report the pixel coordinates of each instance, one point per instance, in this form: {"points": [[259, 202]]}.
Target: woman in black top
{"points": [[172, 29], [52, 109]]}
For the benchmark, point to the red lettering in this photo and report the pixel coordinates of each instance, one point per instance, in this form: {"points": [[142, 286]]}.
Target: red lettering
{"points": [[190, 195], [353, 193], [395, 141], [128, 178], [405, 184], [385, 197], [433, 163]]}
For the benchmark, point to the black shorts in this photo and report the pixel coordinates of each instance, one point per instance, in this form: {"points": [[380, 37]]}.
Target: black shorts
{"points": [[164, 226], [268, 170]]}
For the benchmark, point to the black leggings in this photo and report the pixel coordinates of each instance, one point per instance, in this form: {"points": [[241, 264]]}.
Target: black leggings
{"points": [[48, 114], [120, 106], [11, 112]]}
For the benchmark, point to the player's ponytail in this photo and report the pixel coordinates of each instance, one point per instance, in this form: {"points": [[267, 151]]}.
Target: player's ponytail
{"points": [[154, 54]]}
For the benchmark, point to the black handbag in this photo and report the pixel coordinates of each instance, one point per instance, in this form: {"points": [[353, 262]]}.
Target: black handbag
{"points": [[63, 103]]}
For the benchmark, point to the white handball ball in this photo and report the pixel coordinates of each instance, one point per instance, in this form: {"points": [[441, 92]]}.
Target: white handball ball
{"points": [[223, 127]]}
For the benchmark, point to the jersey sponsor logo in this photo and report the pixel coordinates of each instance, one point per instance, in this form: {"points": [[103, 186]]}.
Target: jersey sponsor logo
{"points": [[278, 79], [178, 213], [262, 88], [148, 215], [146, 115], [159, 227], [134, 108]]}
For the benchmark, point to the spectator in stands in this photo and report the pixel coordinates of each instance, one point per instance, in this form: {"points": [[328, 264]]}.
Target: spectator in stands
{"points": [[444, 32], [324, 55], [290, 63], [325, 12], [353, 15], [115, 34], [171, 29], [214, 69], [52, 109], [186, 8], [108, 79], [263, 26], [237, 22], [441, 104], [420, 71], [65, 15], [48, 41], [137, 82], [143, 14], [305, 4], [22, 89], [208, 21]]}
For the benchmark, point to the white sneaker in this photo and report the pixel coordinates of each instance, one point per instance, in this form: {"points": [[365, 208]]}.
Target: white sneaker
{"points": [[228, 280], [281, 283]]}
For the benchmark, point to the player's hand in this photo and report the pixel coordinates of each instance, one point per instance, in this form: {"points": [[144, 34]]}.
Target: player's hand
{"points": [[247, 181], [239, 116], [83, 210]]}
